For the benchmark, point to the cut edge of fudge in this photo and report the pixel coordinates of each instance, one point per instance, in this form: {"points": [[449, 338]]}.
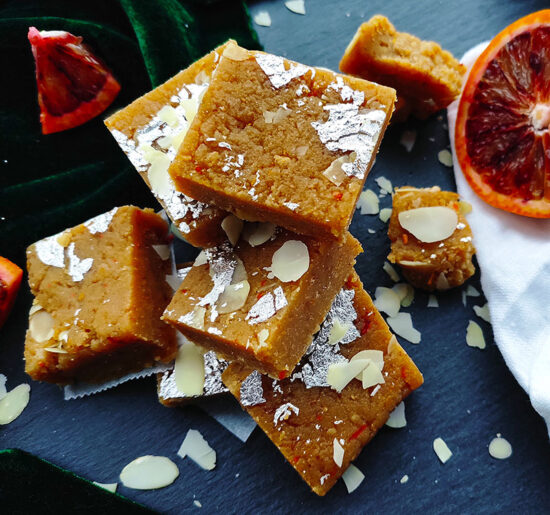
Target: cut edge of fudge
{"points": [[427, 76], [65, 326], [438, 267], [149, 131], [293, 411], [340, 147], [314, 291]]}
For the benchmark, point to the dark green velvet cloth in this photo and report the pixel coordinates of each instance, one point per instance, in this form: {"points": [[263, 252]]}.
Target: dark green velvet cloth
{"points": [[51, 182]]}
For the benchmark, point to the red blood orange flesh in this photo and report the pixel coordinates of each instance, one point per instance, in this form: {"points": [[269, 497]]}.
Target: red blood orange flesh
{"points": [[502, 136], [10, 280], [74, 86]]}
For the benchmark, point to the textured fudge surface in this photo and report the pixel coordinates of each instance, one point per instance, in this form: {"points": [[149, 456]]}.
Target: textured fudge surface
{"points": [[427, 77], [430, 266], [99, 292], [302, 415], [149, 131], [266, 132], [274, 327]]}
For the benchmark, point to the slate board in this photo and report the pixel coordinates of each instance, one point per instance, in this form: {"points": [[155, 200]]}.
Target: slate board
{"points": [[468, 395]]}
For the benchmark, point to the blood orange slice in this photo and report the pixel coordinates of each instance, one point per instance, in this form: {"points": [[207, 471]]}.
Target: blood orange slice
{"points": [[502, 136], [74, 86], [10, 280]]}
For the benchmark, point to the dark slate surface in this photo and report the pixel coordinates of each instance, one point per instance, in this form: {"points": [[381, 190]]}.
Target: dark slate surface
{"points": [[469, 395]]}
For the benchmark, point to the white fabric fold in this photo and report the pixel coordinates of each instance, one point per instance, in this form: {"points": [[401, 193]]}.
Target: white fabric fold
{"points": [[513, 253]]}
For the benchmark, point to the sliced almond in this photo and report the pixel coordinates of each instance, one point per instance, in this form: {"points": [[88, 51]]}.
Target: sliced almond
{"points": [[41, 326], [189, 369], [34, 308], [263, 19], [376, 356], [368, 203], [397, 418], [337, 453], [296, 6], [301, 151], [240, 273], [474, 335], [429, 224], [445, 158], [387, 300], [483, 312], [464, 207], [290, 261], [233, 227], [263, 335], [235, 52], [402, 325], [442, 283], [442, 450], [111, 487], [405, 292], [433, 302], [169, 115], [160, 181], [334, 173], [163, 251], [384, 184], [197, 448], [257, 233], [385, 214], [500, 448], [149, 473], [338, 331], [414, 264], [340, 374], [408, 139], [371, 375], [13, 403], [391, 271], [233, 297], [352, 478]]}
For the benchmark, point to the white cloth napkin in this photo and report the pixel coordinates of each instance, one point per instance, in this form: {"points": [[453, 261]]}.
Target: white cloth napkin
{"points": [[513, 253]]}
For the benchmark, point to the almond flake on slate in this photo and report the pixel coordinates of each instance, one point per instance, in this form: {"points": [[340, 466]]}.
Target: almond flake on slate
{"points": [[233, 227], [385, 214], [402, 325], [433, 302], [149, 472], [384, 184], [338, 452], [352, 477], [163, 251], [111, 487], [408, 139], [296, 6], [257, 233], [472, 292], [405, 292], [3, 391], [397, 418], [429, 224], [445, 158], [368, 203], [197, 448], [442, 451], [483, 312], [290, 261], [263, 19], [387, 300], [474, 335], [404, 479], [500, 448], [189, 369], [391, 271], [13, 403]]}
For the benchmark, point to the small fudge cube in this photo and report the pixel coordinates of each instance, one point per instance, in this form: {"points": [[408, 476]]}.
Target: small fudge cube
{"points": [[426, 77], [433, 247], [319, 430], [100, 291], [277, 141], [262, 304], [150, 130]]}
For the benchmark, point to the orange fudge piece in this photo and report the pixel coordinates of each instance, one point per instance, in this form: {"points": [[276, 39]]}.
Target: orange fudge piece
{"points": [[426, 77], [309, 421], [261, 305], [150, 130], [438, 265], [100, 291], [277, 141]]}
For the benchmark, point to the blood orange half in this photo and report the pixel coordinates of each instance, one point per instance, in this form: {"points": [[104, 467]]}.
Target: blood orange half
{"points": [[502, 134], [74, 86]]}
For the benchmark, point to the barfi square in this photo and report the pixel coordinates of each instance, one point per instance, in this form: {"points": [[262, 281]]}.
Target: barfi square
{"points": [[100, 291], [277, 141], [262, 301], [150, 130], [320, 430]]}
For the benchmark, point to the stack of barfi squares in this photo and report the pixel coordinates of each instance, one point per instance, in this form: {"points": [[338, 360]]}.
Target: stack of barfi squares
{"points": [[259, 161]]}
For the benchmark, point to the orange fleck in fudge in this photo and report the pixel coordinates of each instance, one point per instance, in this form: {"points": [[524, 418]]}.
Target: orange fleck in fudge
{"points": [[426, 77], [277, 141], [433, 247], [317, 428], [262, 304], [100, 291], [150, 130]]}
